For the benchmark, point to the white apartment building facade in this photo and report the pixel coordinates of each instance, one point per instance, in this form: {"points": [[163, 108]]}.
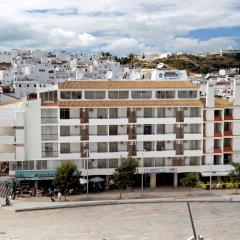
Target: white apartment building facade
{"points": [[163, 124]]}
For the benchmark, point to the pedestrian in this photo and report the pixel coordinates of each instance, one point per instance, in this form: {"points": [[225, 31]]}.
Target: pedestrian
{"points": [[59, 196], [52, 198]]}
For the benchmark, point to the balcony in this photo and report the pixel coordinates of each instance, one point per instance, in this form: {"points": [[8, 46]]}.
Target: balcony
{"points": [[227, 149], [5, 157], [228, 133], [217, 150], [228, 117], [217, 134], [217, 118], [7, 139]]}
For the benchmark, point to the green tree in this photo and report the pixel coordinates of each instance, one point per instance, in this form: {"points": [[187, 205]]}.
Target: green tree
{"points": [[189, 181], [235, 175], [67, 177], [125, 175]]}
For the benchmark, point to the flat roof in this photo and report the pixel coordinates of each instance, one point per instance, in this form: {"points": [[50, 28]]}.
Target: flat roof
{"points": [[122, 84], [131, 103]]}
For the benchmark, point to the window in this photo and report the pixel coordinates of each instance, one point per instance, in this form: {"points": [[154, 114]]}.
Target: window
{"points": [[141, 94], [102, 163], [64, 131], [113, 163], [101, 130], [113, 147], [65, 148], [102, 147], [194, 112], [160, 129], [64, 113], [161, 112], [187, 94], [49, 116], [148, 112], [71, 94], [113, 113], [49, 150], [95, 94], [165, 94], [147, 146], [113, 130], [102, 113], [41, 164], [118, 94], [49, 96], [147, 129], [49, 133]]}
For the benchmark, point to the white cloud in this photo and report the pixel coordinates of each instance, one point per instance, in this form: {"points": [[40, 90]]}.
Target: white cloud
{"points": [[119, 26]]}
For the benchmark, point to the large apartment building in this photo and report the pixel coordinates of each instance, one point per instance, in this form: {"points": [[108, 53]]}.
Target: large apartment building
{"points": [[162, 123]]}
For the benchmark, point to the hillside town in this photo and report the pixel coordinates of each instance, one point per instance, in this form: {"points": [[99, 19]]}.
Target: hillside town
{"points": [[59, 106]]}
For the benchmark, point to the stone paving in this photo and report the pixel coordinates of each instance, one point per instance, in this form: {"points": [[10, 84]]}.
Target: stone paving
{"points": [[159, 221]]}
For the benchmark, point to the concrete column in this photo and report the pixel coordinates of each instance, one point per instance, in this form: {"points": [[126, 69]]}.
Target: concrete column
{"points": [[36, 184], [175, 179], [153, 178]]}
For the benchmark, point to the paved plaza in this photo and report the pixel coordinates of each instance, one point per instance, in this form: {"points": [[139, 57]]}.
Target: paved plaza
{"points": [[167, 221]]}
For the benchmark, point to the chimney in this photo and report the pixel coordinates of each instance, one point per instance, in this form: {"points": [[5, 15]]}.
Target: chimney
{"points": [[236, 92], [210, 94]]}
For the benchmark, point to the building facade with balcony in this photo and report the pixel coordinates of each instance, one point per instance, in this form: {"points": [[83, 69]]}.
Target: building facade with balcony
{"points": [[163, 124]]}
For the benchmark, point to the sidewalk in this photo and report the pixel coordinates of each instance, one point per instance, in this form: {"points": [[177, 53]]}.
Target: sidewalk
{"points": [[129, 197]]}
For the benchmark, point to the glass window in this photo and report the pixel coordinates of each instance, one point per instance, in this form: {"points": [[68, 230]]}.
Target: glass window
{"points": [[118, 94], [65, 131], [159, 162], [101, 130], [182, 94], [102, 147], [76, 95], [113, 163], [148, 112], [192, 94], [49, 133], [49, 150], [41, 164], [113, 113], [65, 147], [141, 94], [113, 147], [49, 116], [194, 112], [102, 163], [95, 94], [165, 94], [113, 130], [161, 112], [64, 113], [102, 113], [160, 129], [65, 94]]}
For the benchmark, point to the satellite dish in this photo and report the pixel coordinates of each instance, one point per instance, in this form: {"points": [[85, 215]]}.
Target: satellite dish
{"points": [[160, 65], [109, 75]]}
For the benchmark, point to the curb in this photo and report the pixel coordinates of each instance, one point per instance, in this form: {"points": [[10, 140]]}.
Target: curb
{"points": [[62, 205]]}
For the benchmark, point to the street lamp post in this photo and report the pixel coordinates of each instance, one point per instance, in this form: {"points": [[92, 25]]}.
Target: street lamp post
{"points": [[142, 173]]}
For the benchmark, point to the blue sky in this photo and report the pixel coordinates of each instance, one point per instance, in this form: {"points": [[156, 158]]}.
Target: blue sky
{"points": [[121, 26]]}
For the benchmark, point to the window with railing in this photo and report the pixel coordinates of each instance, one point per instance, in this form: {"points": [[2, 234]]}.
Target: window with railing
{"points": [[49, 116], [49, 149], [49, 133]]}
